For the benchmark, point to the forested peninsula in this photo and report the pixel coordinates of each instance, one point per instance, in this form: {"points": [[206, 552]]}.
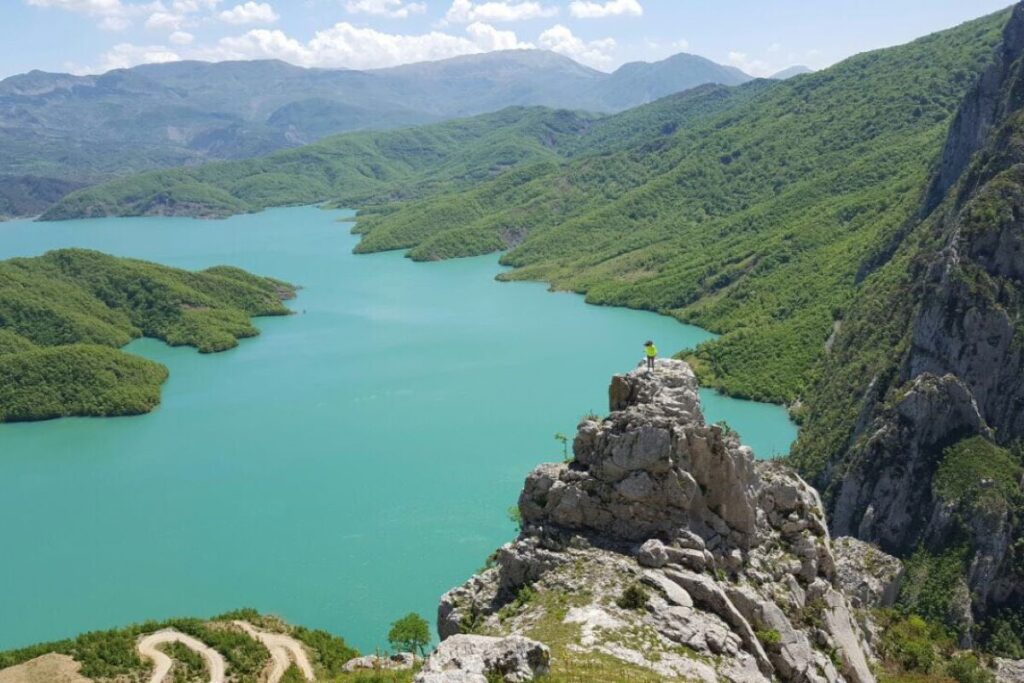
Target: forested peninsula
{"points": [[65, 315]]}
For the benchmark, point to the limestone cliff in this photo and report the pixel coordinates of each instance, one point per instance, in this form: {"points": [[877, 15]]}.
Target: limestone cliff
{"points": [[665, 546], [928, 459]]}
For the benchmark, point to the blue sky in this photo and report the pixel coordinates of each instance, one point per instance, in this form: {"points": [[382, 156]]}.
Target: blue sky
{"points": [[759, 36]]}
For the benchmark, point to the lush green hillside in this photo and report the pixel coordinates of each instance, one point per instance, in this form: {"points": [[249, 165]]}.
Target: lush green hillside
{"points": [[748, 211], [88, 129], [361, 168], [64, 315], [30, 195], [753, 222]]}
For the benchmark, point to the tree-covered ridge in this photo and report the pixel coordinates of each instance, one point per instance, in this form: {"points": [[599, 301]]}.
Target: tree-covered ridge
{"points": [[64, 315], [751, 211], [366, 168], [753, 222]]}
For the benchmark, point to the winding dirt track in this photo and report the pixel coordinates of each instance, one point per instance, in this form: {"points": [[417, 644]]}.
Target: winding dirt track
{"points": [[283, 651], [147, 649]]}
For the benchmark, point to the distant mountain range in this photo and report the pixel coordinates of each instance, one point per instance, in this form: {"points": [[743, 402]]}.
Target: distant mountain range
{"points": [[785, 74], [86, 129]]}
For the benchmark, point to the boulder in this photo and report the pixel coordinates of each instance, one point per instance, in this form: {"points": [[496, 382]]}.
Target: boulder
{"points": [[395, 662], [868, 576], [1009, 670], [482, 659]]}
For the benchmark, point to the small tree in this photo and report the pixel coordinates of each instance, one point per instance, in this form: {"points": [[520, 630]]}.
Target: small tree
{"points": [[411, 633], [564, 440]]}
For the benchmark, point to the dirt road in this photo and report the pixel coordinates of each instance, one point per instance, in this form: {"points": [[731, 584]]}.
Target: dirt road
{"points": [[283, 650], [148, 650]]}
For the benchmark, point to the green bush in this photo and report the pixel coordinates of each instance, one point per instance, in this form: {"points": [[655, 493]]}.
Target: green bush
{"points": [[331, 651], [633, 597], [913, 644], [966, 668]]}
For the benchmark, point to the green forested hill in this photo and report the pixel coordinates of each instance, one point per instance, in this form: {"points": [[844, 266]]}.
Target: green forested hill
{"points": [[63, 316], [749, 211], [363, 168], [753, 222], [59, 131]]}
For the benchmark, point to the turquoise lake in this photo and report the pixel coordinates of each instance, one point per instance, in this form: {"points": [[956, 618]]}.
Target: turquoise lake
{"points": [[346, 467]]}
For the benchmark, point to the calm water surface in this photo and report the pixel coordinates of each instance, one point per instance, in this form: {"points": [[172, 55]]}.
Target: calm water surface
{"points": [[347, 466]]}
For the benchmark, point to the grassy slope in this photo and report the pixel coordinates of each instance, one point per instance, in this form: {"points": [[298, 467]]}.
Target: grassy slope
{"points": [[64, 315]]}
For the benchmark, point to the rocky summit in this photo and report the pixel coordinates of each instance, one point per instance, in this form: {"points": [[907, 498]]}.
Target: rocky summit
{"points": [[665, 545]]}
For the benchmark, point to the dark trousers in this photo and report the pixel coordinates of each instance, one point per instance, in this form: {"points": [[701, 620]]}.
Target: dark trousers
{"points": [[650, 362]]}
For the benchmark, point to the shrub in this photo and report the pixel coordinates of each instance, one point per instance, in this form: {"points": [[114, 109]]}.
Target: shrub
{"points": [[769, 637], [966, 668], [634, 596]]}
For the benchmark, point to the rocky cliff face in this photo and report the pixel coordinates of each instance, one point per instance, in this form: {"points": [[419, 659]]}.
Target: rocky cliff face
{"points": [[664, 545], [903, 479], [984, 107]]}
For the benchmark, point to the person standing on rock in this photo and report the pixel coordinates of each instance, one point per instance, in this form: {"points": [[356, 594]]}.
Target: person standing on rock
{"points": [[652, 352]]}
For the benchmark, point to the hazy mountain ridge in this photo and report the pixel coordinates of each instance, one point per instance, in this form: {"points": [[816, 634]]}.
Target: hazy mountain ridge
{"points": [[87, 129]]}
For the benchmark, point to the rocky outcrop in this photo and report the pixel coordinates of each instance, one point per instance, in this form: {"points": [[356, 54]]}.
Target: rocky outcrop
{"points": [[399, 661], [869, 577], [667, 526], [1009, 671], [483, 659]]}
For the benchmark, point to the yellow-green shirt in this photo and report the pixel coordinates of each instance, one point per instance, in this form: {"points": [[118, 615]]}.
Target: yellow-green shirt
{"points": [[652, 351]]}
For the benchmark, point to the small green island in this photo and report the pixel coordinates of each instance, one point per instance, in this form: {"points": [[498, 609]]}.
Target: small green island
{"points": [[65, 315]]}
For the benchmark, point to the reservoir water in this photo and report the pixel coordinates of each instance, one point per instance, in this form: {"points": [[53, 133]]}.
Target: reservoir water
{"points": [[346, 467]]}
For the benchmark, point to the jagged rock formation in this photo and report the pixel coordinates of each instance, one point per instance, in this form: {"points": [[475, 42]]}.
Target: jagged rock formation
{"points": [[986, 105], [958, 366], [735, 554], [869, 577]]}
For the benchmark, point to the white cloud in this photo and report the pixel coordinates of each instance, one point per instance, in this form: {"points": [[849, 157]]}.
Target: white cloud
{"points": [[489, 38], [347, 46], [250, 13], [754, 67], [192, 6], [165, 21], [466, 11], [395, 9], [583, 9], [118, 15], [110, 15], [100, 7], [595, 53], [115, 23], [125, 55], [181, 38]]}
